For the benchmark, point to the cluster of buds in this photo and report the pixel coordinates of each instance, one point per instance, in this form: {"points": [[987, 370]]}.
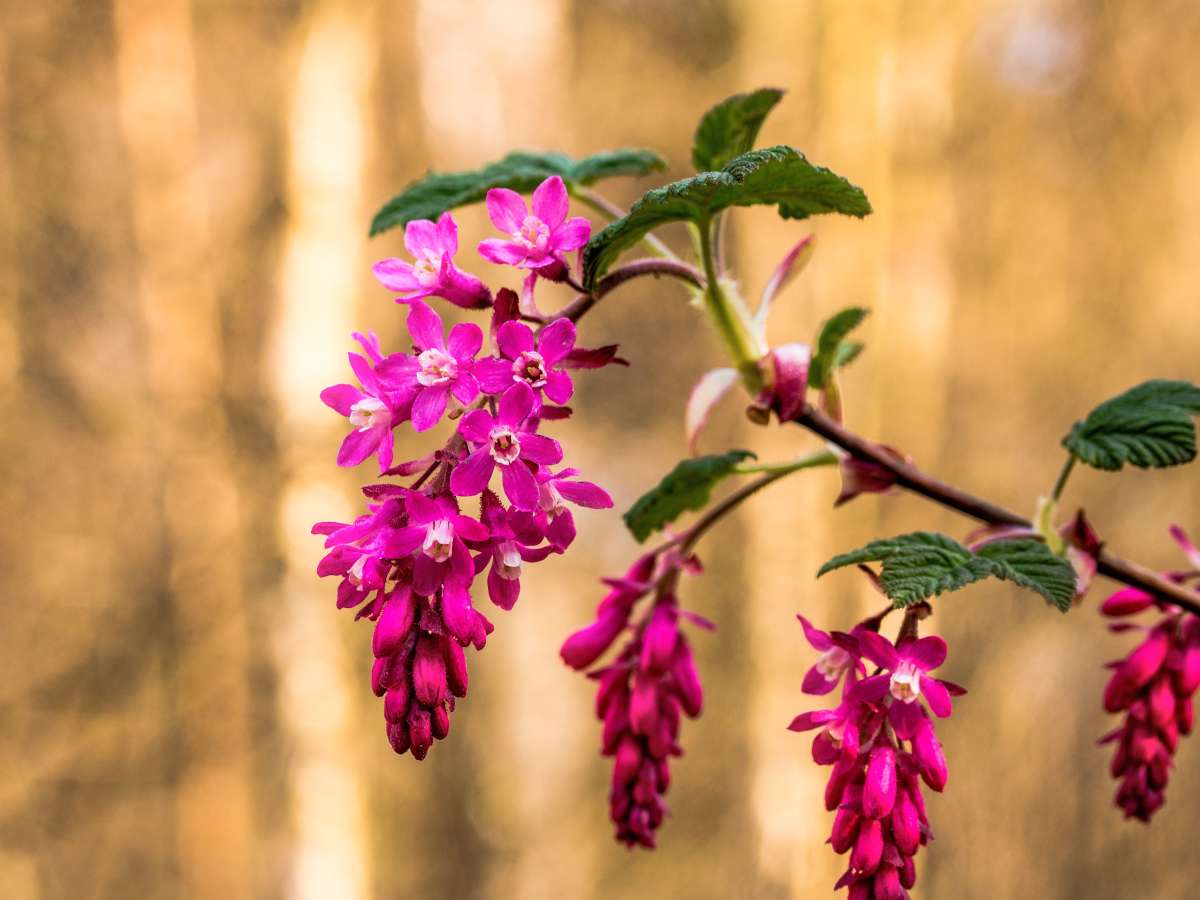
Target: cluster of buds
{"points": [[881, 745], [644, 692], [409, 562], [1153, 686]]}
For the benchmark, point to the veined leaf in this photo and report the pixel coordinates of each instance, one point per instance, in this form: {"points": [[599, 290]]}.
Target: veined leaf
{"points": [[521, 171], [730, 128], [775, 176], [1149, 426], [830, 343], [921, 565], [688, 486]]}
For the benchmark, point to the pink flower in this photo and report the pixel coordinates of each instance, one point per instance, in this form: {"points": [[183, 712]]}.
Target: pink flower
{"points": [[439, 370], [554, 491], [1154, 686], [840, 656], [513, 540], [372, 410], [435, 533], [508, 441], [520, 362], [432, 273], [536, 240], [906, 677]]}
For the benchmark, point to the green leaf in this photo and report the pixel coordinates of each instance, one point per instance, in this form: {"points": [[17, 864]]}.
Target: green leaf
{"points": [[730, 128], [688, 486], [917, 566], [1149, 426], [848, 353], [777, 176], [1033, 565], [829, 344], [521, 171], [921, 565]]}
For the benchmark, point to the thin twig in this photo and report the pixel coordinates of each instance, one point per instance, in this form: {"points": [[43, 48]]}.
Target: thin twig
{"points": [[576, 309], [908, 476]]}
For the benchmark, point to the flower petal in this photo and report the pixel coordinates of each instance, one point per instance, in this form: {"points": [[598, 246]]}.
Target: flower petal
{"points": [[571, 235], [550, 202], [471, 476], [514, 338], [506, 209], [878, 649], [357, 446], [447, 234], [1126, 602], [810, 720], [495, 375], [465, 388], [466, 340], [516, 404], [476, 426], [928, 652], [937, 696], [501, 252], [519, 485], [396, 275], [816, 638], [540, 449], [556, 340], [584, 493], [340, 397], [429, 406], [425, 326], [420, 235], [816, 683]]}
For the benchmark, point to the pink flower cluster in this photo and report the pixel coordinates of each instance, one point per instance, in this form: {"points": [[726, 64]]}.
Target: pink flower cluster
{"points": [[1154, 687], [881, 745], [409, 562], [644, 692]]}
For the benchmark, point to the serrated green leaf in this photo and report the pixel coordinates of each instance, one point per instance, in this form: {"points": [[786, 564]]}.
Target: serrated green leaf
{"points": [[1149, 426], [521, 171], [688, 486], [777, 176], [730, 128], [1033, 565], [829, 343], [923, 564], [916, 566]]}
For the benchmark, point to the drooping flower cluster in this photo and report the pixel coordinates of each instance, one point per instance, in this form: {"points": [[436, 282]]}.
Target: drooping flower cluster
{"points": [[881, 744], [1154, 687], [644, 692], [409, 562]]}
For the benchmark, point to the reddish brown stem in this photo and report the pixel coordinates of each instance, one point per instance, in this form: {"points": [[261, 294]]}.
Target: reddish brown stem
{"points": [[910, 477], [576, 309]]}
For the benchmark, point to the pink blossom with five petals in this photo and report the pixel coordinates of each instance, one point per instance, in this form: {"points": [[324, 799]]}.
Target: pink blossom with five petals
{"points": [[432, 272], [539, 368], [537, 239]]}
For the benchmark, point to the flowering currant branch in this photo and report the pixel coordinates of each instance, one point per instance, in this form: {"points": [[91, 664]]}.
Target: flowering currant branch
{"points": [[409, 563]]}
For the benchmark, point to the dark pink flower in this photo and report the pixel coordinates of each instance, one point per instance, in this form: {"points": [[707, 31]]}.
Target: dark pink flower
{"points": [[839, 656], [555, 490], [906, 677], [512, 541], [435, 534], [536, 240], [541, 369], [432, 272], [373, 410], [1154, 686], [507, 441], [441, 368]]}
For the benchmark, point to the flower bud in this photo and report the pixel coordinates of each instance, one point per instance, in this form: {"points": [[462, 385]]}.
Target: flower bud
{"points": [[879, 791]]}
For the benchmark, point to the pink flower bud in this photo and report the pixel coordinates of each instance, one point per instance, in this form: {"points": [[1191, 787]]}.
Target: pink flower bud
{"points": [[687, 680], [393, 624], [586, 645], [868, 848], [845, 829], [643, 705], [927, 751], [659, 639], [906, 824], [456, 667], [420, 732], [879, 790], [395, 702], [429, 672], [440, 724]]}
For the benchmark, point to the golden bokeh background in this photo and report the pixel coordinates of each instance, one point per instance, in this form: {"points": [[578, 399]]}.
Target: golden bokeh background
{"points": [[184, 193]]}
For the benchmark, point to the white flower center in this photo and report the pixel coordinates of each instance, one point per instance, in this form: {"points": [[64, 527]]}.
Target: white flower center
{"points": [[833, 663], [534, 234], [506, 447], [427, 268], [370, 413], [356, 571], [437, 367], [906, 682], [530, 368], [439, 540], [508, 561]]}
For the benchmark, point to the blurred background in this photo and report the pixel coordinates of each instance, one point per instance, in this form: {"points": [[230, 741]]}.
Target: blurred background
{"points": [[185, 189]]}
